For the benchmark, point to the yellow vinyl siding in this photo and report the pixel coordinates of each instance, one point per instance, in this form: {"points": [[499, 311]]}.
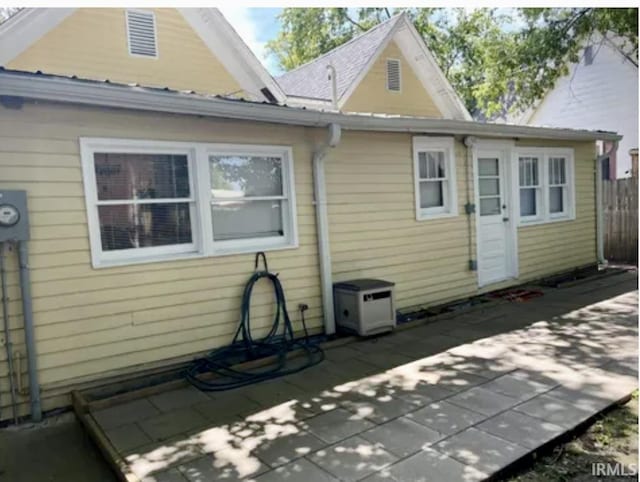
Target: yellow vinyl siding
{"points": [[371, 95], [372, 222], [549, 248], [91, 323], [92, 43]]}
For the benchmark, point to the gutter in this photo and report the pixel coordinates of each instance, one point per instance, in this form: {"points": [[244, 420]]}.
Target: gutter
{"points": [[322, 226], [599, 207], [95, 93]]}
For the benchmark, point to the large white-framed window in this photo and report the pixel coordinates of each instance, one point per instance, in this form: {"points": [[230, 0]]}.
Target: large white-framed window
{"points": [[155, 200], [545, 184], [434, 177]]}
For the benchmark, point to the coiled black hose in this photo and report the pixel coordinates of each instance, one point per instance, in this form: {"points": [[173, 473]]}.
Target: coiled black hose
{"points": [[279, 343]]}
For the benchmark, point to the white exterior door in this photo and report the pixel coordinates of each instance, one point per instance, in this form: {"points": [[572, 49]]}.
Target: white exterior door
{"points": [[495, 228]]}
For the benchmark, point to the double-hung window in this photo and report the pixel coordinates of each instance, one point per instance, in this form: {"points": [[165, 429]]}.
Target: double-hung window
{"points": [[529, 175], [152, 201], [545, 184], [558, 187], [251, 198], [434, 173]]}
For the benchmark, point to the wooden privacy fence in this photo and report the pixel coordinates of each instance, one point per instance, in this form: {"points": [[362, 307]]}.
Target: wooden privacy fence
{"points": [[620, 198]]}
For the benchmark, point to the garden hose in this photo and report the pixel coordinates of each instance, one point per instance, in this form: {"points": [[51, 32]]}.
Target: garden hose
{"points": [[279, 343]]}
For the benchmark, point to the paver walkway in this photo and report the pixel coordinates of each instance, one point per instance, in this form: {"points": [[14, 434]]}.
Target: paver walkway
{"points": [[454, 400]]}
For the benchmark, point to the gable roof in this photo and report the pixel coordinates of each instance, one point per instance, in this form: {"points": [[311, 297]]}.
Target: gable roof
{"points": [[353, 60], [30, 24], [349, 59]]}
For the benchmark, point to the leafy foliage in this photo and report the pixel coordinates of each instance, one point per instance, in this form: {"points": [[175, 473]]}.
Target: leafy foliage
{"points": [[496, 59]]}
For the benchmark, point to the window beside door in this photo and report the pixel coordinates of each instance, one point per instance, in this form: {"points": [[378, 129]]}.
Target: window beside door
{"points": [[545, 185]]}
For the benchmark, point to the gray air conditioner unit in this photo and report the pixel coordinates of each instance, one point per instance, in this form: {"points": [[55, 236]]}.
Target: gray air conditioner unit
{"points": [[365, 306]]}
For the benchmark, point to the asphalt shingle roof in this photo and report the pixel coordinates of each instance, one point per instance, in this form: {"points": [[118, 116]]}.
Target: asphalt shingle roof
{"points": [[311, 79]]}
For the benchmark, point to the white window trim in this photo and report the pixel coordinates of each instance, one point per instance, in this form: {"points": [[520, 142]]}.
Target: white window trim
{"points": [[445, 144], [203, 244], [288, 189], [386, 64], [155, 33], [543, 215]]}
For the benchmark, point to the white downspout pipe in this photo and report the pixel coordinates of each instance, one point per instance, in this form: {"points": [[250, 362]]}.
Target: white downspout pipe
{"points": [[599, 206], [322, 227]]}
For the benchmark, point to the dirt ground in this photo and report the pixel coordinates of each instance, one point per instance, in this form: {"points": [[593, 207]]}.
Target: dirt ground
{"points": [[612, 439]]}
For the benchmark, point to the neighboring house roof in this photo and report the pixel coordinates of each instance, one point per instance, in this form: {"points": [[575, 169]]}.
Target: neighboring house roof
{"points": [[353, 60], [30, 24], [55, 88]]}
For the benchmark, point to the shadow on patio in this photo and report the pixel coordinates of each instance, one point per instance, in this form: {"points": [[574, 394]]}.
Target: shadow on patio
{"points": [[456, 399]]}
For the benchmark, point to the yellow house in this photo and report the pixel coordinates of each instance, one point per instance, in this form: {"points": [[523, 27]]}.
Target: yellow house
{"points": [[146, 207]]}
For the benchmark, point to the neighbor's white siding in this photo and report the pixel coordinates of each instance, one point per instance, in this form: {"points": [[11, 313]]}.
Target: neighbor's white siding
{"points": [[603, 95]]}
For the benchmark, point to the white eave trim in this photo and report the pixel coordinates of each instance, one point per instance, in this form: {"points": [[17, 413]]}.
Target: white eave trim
{"points": [[55, 89], [227, 46], [27, 26]]}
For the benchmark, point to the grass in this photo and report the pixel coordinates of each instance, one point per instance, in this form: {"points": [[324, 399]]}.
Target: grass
{"points": [[612, 439]]}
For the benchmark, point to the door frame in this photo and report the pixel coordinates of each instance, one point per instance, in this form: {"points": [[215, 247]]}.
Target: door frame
{"points": [[506, 149]]}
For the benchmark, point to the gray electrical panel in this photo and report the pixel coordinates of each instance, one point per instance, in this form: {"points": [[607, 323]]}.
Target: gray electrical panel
{"points": [[14, 217]]}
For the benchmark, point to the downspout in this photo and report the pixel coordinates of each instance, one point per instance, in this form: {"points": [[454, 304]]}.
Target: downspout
{"points": [[599, 206], [322, 226], [29, 337]]}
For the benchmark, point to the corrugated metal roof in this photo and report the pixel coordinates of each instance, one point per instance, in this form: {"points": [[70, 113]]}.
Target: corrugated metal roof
{"points": [[349, 59]]}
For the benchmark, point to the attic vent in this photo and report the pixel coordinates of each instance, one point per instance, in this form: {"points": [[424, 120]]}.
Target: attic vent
{"points": [[141, 33], [393, 75]]}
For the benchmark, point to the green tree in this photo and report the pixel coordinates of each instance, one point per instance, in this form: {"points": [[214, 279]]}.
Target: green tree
{"points": [[491, 57]]}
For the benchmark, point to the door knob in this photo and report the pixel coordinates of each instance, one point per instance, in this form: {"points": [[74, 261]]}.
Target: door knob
{"points": [[505, 219]]}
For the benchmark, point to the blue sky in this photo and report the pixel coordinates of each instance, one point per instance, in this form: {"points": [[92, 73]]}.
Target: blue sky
{"points": [[256, 26]]}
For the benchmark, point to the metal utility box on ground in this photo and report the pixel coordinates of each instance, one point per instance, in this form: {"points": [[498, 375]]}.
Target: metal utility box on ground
{"points": [[365, 306]]}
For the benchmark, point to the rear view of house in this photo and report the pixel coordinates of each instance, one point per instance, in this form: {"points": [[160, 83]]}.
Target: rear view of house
{"points": [[146, 205]]}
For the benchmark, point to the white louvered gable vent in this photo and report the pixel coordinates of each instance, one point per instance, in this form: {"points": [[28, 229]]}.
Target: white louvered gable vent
{"points": [[393, 75], [141, 33]]}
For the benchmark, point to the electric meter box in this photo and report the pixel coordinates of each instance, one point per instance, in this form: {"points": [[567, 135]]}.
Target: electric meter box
{"points": [[14, 218], [365, 306]]}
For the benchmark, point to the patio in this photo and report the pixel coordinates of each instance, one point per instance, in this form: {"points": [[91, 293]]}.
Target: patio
{"points": [[457, 399]]}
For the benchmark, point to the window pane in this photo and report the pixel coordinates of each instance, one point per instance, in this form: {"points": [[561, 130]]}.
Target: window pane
{"points": [[128, 226], [489, 206], [556, 170], [528, 167], [528, 202], [431, 194], [556, 201], [431, 164], [489, 187], [141, 176], [247, 219], [488, 167], [245, 176]]}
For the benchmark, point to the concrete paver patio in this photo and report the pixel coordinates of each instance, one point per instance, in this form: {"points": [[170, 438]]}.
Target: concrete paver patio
{"points": [[458, 399]]}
